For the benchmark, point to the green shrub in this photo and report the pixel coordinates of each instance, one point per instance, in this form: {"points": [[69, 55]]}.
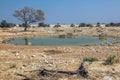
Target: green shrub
{"points": [[111, 60], [90, 59]]}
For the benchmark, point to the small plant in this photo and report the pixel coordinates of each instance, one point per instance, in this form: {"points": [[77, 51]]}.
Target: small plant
{"points": [[90, 59], [111, 59]]}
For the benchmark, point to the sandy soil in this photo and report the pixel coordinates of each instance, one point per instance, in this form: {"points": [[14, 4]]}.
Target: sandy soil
{"points": [[19, 59]]}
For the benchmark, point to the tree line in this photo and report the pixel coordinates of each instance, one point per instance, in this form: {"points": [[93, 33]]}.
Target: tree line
{"points": [[30, 15], [5, 24]]}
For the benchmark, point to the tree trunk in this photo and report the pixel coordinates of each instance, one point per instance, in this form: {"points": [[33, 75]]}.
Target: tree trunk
{"points": [[26, 41], [25, 29], [26, 26]]}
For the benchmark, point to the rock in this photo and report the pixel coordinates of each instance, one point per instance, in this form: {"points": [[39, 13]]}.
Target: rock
{"points": [[44, 56], [107, 78], [33, 56], [113, 71], [25, 65], [45, 62], [22, 67], [50, 65], [87, 63], [16, 54]]}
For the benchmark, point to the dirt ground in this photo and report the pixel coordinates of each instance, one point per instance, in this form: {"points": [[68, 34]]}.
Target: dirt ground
{"points": [[21, 59]]}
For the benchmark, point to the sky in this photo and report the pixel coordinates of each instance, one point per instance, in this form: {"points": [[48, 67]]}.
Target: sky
{"points": [[65, 11]]}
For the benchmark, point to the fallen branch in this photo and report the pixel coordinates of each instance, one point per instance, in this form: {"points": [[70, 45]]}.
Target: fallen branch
{"points": [[81, 71], [44, 72], [22, 75]]}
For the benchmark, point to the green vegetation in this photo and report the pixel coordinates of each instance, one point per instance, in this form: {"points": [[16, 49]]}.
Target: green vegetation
{"points": [[112, 24], [85, 25], [43, 25], [5, 24], [90, 59], [111, 60]]}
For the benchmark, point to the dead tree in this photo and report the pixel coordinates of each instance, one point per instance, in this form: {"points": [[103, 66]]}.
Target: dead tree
{"points": [[25, 77], [81, 71], [44, 72]]}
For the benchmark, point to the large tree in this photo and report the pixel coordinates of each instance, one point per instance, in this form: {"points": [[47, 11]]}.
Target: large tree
{"points": [[29, 15]]}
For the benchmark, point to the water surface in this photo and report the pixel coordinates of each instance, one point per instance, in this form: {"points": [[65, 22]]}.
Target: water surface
{"points": [[62, 41]]}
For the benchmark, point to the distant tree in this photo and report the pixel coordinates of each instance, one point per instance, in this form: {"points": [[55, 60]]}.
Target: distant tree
{"points": [[82, 25], [118, 24], [29, 15], [57, 25], [19, 25], [89, 25], [72, 25], [10, 25], [98, 24], [112, 24], [43, 25], [3, 24], [107, 25]]}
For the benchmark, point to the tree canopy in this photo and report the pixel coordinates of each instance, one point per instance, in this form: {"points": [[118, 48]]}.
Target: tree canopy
{"points": [[29, 15]]}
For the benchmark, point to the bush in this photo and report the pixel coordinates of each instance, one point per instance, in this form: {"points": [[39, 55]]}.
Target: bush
{"points": [[43, 25], [98, 24], [11, 25], [89, 25], [82, 25], [107, 25], [57, 25], [72, 25], [90, 59], [111, 60], [5, 24]]}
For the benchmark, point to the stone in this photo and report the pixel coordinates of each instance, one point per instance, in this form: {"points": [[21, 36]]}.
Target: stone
{"points": [[107, 78], [22, 67], [25, 65], [113, 71], [87, 63], [33, 56], [16, 54]]}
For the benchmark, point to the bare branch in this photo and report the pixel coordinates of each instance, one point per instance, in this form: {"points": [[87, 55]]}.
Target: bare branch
{"points": [[29, 15]]}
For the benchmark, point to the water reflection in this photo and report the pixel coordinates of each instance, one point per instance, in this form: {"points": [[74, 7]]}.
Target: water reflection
{"points": [[102, 38], [27, 42], [66, 36]]}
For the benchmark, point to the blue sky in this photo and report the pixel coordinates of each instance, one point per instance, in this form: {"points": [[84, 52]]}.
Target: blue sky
{"points": [[66, 11]]}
